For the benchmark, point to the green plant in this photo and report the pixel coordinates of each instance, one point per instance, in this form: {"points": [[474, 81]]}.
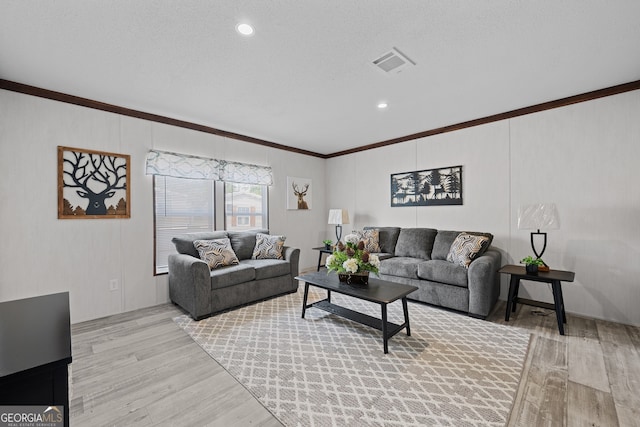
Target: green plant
{"points": [[532, 261], [327, 242]]}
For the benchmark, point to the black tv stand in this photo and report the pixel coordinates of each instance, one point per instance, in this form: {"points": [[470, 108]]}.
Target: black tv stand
{"points": [[35, 351]]}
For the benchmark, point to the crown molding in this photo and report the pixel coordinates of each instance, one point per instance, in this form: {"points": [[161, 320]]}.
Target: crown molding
{"points": [[84, 102], [96, 105], [563, 102]]}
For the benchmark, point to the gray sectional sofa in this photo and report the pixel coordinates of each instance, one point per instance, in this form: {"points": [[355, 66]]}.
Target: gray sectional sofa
{"points": [[203, 292], [418, 256]]}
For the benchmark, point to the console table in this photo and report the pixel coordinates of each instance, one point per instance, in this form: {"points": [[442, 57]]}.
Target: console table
{"points": [[554, 277], [35, 351]]}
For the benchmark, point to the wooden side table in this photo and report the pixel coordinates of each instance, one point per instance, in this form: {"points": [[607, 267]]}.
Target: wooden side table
{"points": [[323, 250], [554, 277]]}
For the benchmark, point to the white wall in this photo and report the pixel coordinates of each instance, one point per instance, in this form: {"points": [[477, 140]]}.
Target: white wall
{"points": [[583, 157], [41, 254]]}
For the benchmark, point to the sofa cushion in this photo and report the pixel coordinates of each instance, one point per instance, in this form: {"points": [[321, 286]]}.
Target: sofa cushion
{"points": [[232, 275], [243, 242], [184, 242], [445, 238], [371, 239], [387, 238], [268, 247], [443, 272], [415, 242], [216, 253], [442, 244], [268, 268], [401, 267], [466, 248]]}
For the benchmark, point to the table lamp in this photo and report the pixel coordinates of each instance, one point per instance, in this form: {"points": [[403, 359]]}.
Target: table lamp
{"points": [[338, 217], [539, 216]]}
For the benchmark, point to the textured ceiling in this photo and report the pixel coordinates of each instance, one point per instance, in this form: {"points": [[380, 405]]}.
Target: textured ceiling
{"points": [[304, 79]]}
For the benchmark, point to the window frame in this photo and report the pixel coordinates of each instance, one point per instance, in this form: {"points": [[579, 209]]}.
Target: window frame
{"points": [[219, 215]]}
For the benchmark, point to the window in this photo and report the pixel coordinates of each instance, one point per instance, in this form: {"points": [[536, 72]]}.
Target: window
{"points": [[245, 206], [196, 194], [184, 205]]}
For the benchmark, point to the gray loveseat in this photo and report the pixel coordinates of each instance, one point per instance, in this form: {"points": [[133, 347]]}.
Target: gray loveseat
{"points": [[203, 292], [418, 256]]}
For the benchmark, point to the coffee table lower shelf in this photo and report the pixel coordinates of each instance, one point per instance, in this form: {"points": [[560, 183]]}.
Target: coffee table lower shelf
{"points": [[364, 319]]}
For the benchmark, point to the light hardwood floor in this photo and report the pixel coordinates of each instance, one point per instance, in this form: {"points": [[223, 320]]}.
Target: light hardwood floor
{"points": [[140, 369]]}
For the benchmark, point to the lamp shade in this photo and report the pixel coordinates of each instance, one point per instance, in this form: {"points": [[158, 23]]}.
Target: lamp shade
{"points": [[338, 216], [539, 216]]}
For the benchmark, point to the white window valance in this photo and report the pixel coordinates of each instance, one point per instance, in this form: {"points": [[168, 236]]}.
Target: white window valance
{"points": [[187, 166]]}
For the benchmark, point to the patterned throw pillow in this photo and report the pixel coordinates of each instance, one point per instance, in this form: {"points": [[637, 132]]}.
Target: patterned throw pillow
{"points": [[268, 247], [466, 248], [371, 239], [216, 253]]}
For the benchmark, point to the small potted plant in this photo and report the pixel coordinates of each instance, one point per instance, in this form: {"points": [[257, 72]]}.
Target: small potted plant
{"points": [[532, 264], [327, 244]]}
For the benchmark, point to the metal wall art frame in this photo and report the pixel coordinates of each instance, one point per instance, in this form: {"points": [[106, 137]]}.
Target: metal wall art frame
{"points": [[93, 184], [430, 187]]}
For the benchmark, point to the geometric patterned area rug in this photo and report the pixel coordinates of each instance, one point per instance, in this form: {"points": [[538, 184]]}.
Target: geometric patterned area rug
{"points": [[327, 371]]}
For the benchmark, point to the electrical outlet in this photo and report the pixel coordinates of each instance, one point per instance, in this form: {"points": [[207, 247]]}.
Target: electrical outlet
{"points": [[113, 284]]}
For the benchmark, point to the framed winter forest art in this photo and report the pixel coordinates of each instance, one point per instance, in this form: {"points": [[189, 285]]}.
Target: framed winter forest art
{"points": [[431, 187], [93, 184]]}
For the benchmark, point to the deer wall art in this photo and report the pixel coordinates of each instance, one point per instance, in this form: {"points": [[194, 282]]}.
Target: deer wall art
{"points": [[92, 184], [300, 196]]}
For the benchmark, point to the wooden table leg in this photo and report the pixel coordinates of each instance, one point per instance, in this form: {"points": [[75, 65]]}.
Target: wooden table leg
{"points": [[511, 298], [557, 302], [385, 338], [564, 315], [406, 315], [304, 300]]}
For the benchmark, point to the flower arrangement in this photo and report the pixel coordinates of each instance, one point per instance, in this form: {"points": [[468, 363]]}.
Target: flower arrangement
{"points": [[352, 258]]}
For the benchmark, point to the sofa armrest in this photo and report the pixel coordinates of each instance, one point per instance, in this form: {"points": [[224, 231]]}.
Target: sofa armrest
{"points": [[190, 284], [484, 283], [293, 256]]}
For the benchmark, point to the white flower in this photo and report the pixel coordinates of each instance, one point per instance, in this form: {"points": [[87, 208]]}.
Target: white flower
{"points": [[352, 238], [329, 260], [374, 261], [350, 265]]}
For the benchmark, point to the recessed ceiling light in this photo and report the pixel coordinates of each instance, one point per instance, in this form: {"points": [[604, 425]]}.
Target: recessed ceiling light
{"points": [[244, 29], [382, 105]]}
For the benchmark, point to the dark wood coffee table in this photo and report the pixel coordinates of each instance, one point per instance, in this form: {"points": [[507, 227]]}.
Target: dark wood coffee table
{"points": [[378, 291]]}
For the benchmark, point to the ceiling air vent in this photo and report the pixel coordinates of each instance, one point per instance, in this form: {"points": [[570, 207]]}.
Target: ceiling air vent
{"points": [[393, 62]]}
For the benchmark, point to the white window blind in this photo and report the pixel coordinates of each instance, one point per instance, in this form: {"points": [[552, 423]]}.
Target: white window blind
{"points": [[181, 206]]}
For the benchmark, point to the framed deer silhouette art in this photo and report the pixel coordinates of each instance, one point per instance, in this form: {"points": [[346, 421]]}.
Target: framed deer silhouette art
{"points": [[298, 193], [93, 184]]}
